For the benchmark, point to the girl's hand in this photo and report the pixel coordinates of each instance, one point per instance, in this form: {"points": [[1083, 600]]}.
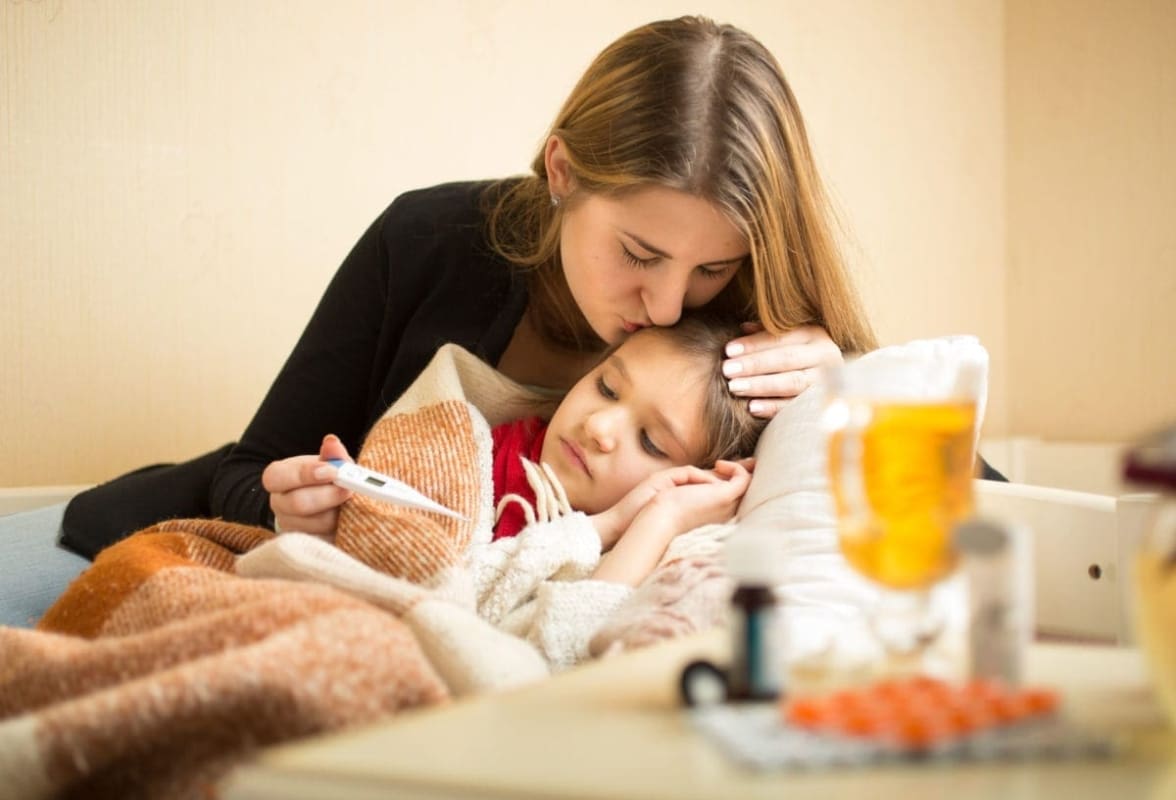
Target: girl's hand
{"points": [[689, 505], [615, 521], [670, 512], [302, 496], [770, 369]]}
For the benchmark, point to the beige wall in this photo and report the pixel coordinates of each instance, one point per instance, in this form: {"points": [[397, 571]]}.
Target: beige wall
{"points": [[179, 180], [1092, 217]]}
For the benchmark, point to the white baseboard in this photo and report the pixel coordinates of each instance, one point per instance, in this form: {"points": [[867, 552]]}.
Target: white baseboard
{"points": [[26, 498]]}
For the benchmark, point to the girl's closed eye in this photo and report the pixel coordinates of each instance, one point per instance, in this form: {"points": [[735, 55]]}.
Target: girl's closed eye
{"points": [[605, 390], [649, 447]]}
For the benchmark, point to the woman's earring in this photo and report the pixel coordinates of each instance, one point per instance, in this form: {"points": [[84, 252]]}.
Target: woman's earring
{"points": [[555, 201]]}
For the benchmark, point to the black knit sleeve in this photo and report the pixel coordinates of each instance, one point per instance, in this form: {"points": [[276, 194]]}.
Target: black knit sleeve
{"points": [[420, 276]]}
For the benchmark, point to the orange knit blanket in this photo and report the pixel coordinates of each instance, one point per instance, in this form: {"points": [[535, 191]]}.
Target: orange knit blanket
{"points": [[189, 645], [166, 662]]}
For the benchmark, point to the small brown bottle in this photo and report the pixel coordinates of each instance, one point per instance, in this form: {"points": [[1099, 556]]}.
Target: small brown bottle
{"points": [[756, 653]]}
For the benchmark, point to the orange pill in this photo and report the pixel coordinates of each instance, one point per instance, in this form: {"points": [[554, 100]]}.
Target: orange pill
{"points": [[807, 712], [916, 733], [1041, 701]]}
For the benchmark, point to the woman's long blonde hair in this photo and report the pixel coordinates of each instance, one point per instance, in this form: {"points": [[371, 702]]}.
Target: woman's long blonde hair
{"points": [[703, 108]]}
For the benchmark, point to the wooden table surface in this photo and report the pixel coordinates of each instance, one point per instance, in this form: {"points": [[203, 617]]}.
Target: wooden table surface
{"points": [[613, 729]]}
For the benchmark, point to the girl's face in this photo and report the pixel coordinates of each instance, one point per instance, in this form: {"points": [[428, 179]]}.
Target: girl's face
{"points": [[637, 413], [639, 259]]}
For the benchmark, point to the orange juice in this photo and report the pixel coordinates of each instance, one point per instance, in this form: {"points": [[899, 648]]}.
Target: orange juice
{"points": [[1155, 616], [897, 507]]}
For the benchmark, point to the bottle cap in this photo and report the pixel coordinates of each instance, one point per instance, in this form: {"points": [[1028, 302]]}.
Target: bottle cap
{"points": [[981, 537]]}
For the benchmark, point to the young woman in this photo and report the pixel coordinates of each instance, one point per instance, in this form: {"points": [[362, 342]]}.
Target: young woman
{"points": [[677, 175]]}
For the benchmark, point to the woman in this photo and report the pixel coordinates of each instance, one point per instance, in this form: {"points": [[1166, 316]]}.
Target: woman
{"points": [[676, 175]]}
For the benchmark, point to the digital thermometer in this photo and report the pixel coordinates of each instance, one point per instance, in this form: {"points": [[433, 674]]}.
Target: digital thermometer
{"points": [[378, 486]]}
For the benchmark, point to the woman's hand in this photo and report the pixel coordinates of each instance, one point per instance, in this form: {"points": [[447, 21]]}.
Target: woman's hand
{"points": [[770, 369], [302, 495], [670, 512]]}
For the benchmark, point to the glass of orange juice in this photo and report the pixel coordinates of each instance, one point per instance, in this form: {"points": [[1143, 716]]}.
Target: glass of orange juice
{"points": [[902, 442]]}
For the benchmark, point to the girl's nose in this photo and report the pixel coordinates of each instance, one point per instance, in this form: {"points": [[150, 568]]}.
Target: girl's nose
{"points": [[601, 428]]}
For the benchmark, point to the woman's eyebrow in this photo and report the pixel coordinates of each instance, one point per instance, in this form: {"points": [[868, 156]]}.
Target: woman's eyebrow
{"points": [[663, 254]]}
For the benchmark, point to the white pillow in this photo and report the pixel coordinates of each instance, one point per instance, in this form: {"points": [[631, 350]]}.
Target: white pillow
{"points": [[788, 507]]}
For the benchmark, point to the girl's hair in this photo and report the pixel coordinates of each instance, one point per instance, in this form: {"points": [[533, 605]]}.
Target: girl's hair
{"points": [[703, 108], [731, 430]]}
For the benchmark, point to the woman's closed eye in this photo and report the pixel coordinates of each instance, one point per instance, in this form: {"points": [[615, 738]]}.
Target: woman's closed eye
{"points": [[712, 273], [635, 260]]}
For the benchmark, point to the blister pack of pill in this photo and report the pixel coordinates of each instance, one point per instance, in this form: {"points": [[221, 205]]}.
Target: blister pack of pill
{"points": [[916, 720]]}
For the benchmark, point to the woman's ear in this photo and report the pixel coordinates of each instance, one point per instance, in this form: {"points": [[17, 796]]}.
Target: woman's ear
{"points": [[559, 171]]}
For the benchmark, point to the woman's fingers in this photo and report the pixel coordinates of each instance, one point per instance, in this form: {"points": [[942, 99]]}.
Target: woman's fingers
{"points": [[333, 447], [762, 353], [770, 369], [322, 525], [309, 509], [308, 501], [295, 472], [758, 340], [779, 385], [302, 495]]}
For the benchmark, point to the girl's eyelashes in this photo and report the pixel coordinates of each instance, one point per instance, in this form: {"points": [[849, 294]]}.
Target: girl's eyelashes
{"points": [[604, 389], [646, 443], [636, 261], [649, 447]]}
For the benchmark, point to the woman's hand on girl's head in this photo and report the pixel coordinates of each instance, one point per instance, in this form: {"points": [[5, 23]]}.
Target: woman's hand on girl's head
{"points": [[769, 369], [302, 495]]}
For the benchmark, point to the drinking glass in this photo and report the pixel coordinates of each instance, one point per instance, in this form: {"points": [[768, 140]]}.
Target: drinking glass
{"points": [[902, 446]]}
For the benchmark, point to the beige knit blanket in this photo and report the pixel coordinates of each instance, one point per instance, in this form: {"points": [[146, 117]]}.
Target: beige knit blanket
{"points": [[189, 645]]}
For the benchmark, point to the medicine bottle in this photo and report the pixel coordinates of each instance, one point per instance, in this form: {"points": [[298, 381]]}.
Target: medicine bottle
{"points": [[997, 562], [757, 663]]}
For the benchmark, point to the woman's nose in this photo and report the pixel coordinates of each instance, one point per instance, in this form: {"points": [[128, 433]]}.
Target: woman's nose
{"points": [[663, 296]]}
